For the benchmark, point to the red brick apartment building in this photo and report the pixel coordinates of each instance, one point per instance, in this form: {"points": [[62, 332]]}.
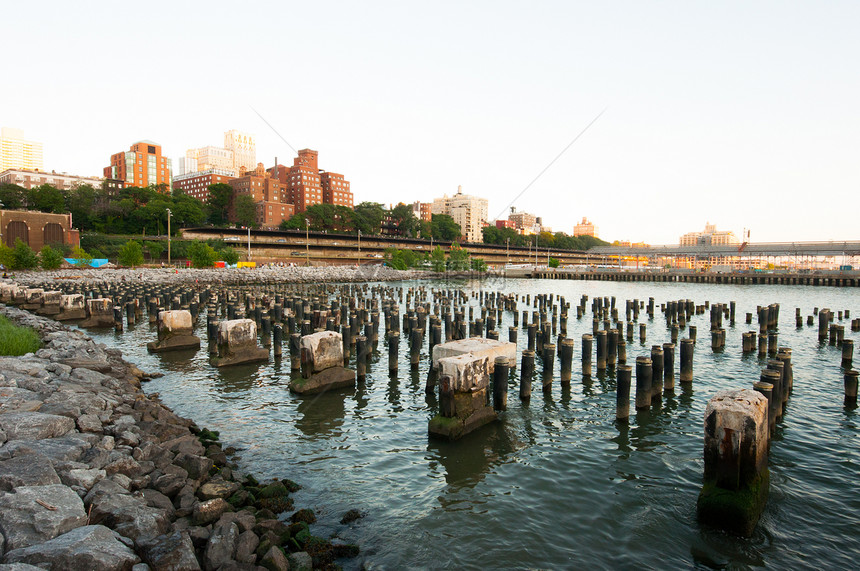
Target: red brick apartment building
{"points": [[307, 185], [142, 165], [196, 184], [269, 196]]}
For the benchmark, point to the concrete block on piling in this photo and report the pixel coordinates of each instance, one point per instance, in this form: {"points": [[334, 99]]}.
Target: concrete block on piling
{"points": [[71, 307], [33, 299], [175, 332], [99, 313], [736, 479], [331, 378], [477, 346], [50, 303], [464, 396], [237, 343], [325, 350]]}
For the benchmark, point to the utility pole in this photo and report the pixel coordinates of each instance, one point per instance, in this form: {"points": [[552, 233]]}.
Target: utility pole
{"points": [[307, 242], [359, 248], [249, 243], [168, 236]]}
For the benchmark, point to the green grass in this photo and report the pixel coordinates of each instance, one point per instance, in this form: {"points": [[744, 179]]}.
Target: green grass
{"points": [[15, 340]]}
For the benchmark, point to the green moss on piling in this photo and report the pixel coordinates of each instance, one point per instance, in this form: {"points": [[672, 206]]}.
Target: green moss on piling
{"points": [[734, 511]]}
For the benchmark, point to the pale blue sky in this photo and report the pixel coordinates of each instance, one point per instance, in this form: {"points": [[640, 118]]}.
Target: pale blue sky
{"points": [[743, 114]]}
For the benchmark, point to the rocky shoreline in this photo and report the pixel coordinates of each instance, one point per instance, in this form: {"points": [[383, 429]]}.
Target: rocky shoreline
{"points": [[94, 474], [264, 274]]}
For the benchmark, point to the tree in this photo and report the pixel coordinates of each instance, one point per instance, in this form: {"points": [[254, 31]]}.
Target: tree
{"points": [[296, 222], [458, 258], [201, 254], [81, 257], [218, 205], [553, 262], [479, 265], [50, 258], [437, 259], [368, 217], [23, 257], [229, 256], [131, 254], [404, 220], [12, 196], [46, 198], [443, 227], [246, 211], [81, 204], [155, 248]]}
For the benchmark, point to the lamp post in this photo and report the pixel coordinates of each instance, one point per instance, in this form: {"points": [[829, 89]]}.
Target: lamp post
{"points": [[1, 223], [307, 242], [168, 236], [359, 248], [249, 243]]}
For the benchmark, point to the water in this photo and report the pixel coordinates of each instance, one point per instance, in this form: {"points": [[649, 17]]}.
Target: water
{"points": [[556, 483]]}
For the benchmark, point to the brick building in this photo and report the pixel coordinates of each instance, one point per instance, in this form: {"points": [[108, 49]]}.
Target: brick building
{"points": [[307, 185], [422, 211], [26, 178], [269, 196], [196, 184], [37, 229], [142, 165]]}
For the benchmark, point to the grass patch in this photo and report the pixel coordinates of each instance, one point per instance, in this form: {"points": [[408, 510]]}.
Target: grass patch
{"points": [[15, 340]]}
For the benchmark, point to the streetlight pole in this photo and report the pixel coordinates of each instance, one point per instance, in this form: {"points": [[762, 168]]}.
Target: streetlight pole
{"points": [[249, 243], [307, 242], [168, 236], [1, 223], [359, 248]]}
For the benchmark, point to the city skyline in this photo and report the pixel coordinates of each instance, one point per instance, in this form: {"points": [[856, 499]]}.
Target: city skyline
{"points": [[737, 115]]}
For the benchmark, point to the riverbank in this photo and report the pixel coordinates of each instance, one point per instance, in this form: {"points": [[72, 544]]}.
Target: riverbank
{"points": [[264, 274], [95, 474]]}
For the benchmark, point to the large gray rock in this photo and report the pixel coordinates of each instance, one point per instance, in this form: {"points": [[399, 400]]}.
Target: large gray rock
{"points": [[18, 567], [174, 551], [35, 425], [130, 516], [27, 470], [221, 547], [82, 477], [34, 514], [64, 449], [246, 545], [196, 466], [210, 511], [101, 490], [217, 488], [300, 561], [275, 560], [90, 548]]}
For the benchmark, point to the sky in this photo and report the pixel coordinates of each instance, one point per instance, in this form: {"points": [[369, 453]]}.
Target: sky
{"points": [[741, 114]]}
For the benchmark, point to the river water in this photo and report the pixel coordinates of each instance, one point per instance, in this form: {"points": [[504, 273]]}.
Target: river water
{"points": [[556, 484]]}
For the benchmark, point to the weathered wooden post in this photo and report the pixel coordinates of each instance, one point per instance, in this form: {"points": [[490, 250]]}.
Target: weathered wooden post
{"points": [[587, 347], [548, 363], [850, 379], [295, 351], [643, 382], [736, 478], [500, 383], [668, 367], [393, 347], [528, 371], [622, 395], [566, 360], [686, 375]]}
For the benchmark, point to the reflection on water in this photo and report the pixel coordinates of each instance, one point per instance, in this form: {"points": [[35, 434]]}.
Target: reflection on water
{"points": [[558, 478]]}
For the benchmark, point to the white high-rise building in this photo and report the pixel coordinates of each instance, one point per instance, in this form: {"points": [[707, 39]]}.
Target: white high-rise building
{"points": [[470, 212], [18, 153], [244, 149]]}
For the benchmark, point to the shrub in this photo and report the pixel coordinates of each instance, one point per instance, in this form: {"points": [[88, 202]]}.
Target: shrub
{"points": [[23, 257], [202, 255], [229, 256], [50, 258], [553, 262], [131, 254], [82, 258]]}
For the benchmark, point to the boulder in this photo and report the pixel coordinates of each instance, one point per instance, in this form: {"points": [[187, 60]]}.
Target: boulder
{"points": [[34, 425], [217, 488], [27, 470], [196, 466], [221, 547], [173, 551], [85, 478], [35, 514], [209, 511], [89, 423], [92, 547], [246, 545], [130, 516], [300, 561]]}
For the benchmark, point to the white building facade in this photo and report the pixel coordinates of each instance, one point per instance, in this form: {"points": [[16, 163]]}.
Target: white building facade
{"points": [[470, 212]]}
